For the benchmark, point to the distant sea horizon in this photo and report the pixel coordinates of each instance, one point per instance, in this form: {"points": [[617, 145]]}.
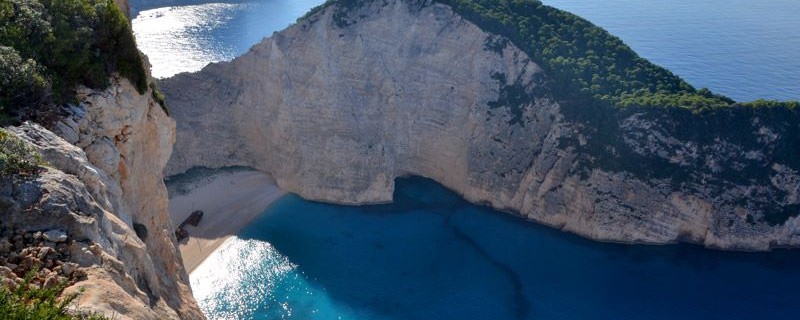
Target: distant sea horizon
{"points": [[743, 49]]}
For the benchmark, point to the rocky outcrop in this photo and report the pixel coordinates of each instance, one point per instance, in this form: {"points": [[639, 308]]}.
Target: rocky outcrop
{"points": [[340, 104], [102, 205]]}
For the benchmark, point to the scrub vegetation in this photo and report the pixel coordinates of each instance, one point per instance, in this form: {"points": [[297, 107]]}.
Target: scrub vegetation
{"points": [[32, 302], [16, 156], [49, 47], [586, 62]]}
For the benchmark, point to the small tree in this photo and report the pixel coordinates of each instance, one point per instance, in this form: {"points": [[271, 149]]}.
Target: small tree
{"points": [[31, 302], [16, 156]]}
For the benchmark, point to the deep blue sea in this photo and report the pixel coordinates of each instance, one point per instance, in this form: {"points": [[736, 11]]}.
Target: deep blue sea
{"points": [[431, 255]]}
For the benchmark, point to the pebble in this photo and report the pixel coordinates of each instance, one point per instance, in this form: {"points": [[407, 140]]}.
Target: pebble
{"points": [[9, 283], [49, 251], [43, 252], [5, 246], [52, 280], [69, 268], [55, 236], [5, 272]]}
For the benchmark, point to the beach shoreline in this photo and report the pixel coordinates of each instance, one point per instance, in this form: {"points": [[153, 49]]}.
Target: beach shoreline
{"points": [[230, 200]]}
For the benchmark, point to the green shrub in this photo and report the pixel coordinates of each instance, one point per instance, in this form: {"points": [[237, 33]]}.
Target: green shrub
{"points": [[61, 44], [158, 96], [584, 60], [16, 156], [30, 302], [21, 81], [587, 65]]}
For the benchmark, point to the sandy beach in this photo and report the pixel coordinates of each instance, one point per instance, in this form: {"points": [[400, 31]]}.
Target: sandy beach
{"points": [[229, 200]]}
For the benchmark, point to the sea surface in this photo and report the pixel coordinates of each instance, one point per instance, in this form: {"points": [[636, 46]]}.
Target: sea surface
{"points": [[745, 49], [186, 38], [431, 255]]}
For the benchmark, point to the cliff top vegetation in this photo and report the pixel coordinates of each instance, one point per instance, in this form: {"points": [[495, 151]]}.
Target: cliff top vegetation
{"points": [[587, 64], [28, 301], [49, 47]]}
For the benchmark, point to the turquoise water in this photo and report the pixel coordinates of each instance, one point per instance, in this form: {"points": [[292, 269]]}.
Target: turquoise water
{"points": [[431, 255], [745, 49]]}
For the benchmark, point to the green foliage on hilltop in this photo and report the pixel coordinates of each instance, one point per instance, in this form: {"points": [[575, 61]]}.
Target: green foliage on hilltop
{"points": [[48, 47], [761, 103], [587, 65], [585, 61]]}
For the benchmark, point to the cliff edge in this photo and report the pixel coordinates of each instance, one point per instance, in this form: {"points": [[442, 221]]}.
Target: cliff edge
{"points": [[96, 214], [358, 93], [84, 140]]}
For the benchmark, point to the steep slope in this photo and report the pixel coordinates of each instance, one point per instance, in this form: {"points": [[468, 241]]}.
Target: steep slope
{"points": [[360, 92], [94, 213], [103, 190]]}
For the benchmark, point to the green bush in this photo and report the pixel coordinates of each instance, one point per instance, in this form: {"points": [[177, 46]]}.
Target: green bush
{"points": [[21, 80], [158, 96], [30, 302], [60, 44], [587, 65], [16, 156], [586, 62]]}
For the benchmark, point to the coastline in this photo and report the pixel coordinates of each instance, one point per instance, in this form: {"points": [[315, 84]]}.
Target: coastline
{"points": [[229, 200]]}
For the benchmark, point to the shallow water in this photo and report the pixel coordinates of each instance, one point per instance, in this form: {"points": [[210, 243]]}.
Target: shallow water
{"points": [[432, 255]]}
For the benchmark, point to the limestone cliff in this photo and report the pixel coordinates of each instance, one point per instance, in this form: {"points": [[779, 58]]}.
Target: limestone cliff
{"points": [[103, 191], [340, 104]]}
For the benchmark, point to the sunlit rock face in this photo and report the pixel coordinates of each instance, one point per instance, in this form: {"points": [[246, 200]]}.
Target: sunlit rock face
{"points": [[343, 102], [102, 180]]}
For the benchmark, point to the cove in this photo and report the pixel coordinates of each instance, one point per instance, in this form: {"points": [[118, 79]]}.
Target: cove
{"points": [[432, 255]]}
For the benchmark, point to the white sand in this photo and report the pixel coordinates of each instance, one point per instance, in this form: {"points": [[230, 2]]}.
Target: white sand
{"points": [[229, 201]]}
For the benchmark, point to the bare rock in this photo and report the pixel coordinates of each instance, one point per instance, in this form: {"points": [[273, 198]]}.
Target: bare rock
{"points": [[52, 280], [68, 268], [5, 246], [336, 112], [6, 272], [106, 175], [8, 283], [55, 236]]}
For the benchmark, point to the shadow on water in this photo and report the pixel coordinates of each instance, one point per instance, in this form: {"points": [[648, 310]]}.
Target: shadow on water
{"points": [[431, 254]]}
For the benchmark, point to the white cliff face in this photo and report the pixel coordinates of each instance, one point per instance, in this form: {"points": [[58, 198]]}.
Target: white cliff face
{"points": [[339, 113], [338, 105], [104, 176]]}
